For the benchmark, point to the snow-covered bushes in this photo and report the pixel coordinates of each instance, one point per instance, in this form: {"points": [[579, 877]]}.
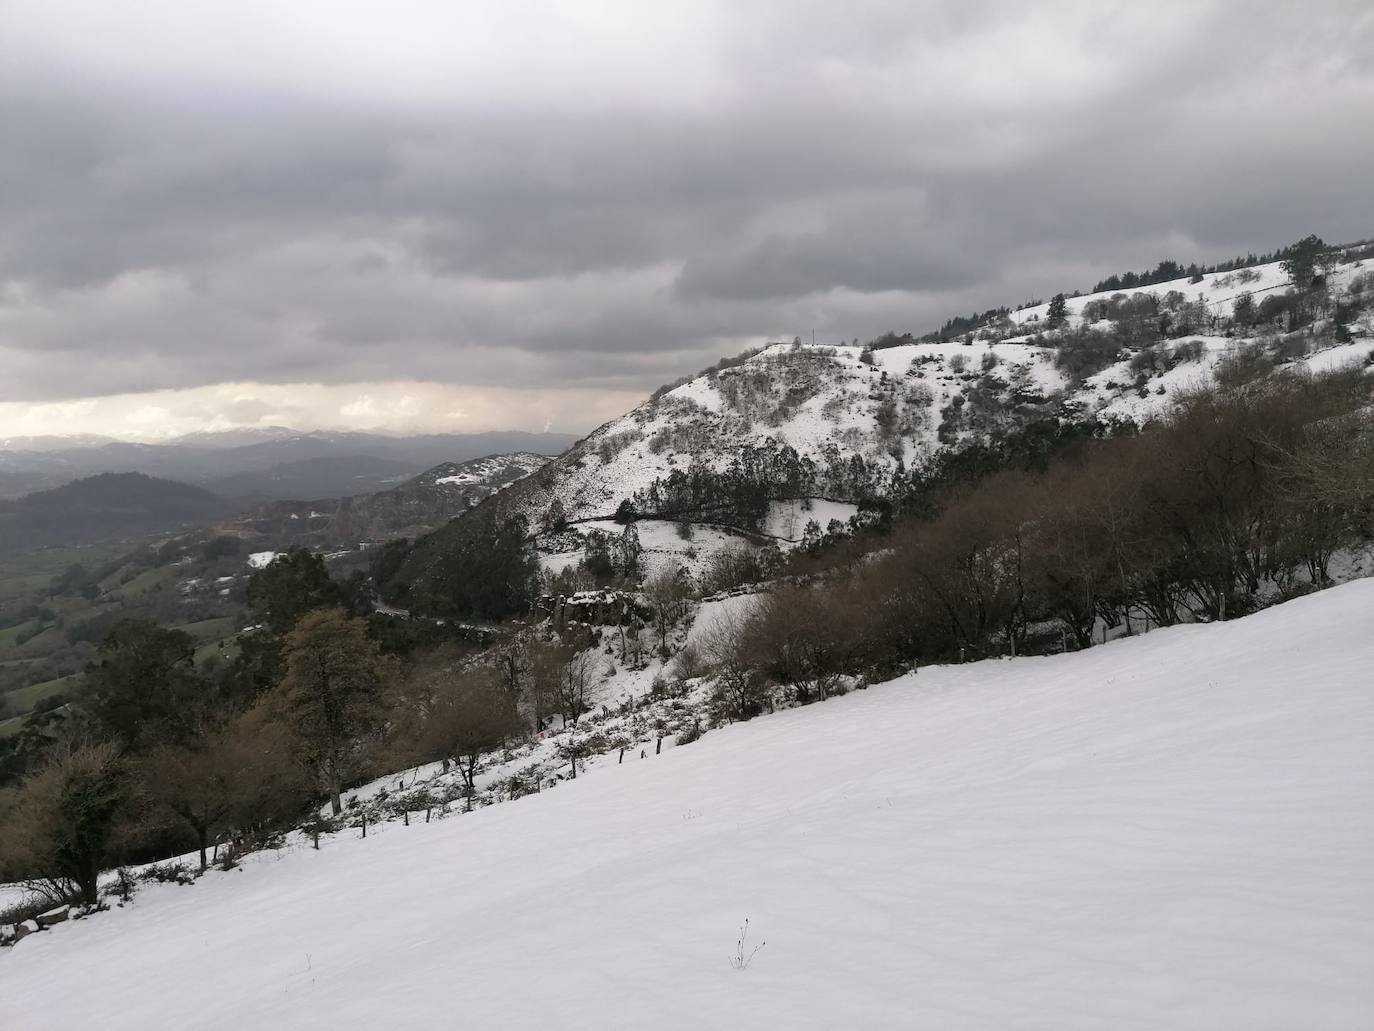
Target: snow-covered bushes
{"points": [[612, 444]]}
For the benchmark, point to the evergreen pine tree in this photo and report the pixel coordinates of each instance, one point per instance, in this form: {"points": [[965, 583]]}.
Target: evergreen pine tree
{"points": [[1058, 313]]}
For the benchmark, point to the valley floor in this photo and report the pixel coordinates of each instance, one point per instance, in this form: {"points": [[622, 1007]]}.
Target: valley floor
{"points": [[1172, 831]]}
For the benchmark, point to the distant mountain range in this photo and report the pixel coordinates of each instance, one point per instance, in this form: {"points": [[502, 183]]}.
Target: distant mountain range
{"points": [[249, 466]]}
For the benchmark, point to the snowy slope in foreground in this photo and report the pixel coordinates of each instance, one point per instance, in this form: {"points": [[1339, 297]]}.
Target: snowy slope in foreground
{"points": [[1169, 831]]}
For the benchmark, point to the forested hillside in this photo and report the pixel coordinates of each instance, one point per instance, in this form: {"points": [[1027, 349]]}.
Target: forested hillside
{"points": [[105, 507]]}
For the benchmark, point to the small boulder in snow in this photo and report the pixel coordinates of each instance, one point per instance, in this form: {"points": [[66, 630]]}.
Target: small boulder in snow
{"points": [[54, 916]]}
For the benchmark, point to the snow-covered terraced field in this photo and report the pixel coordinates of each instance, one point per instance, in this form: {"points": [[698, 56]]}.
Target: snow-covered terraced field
{"points": [[664, 547], [1173, 831]]}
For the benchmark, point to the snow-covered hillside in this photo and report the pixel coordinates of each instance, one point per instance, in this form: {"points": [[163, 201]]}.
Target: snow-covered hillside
{"points": [[1218, 291], [832, 406], [824, 402], [1173, 831], [753, 451], [492, 472]]}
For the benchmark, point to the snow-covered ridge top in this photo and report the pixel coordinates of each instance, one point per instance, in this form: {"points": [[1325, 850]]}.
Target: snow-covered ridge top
{"points": [[1217, 290], [492, 470]]}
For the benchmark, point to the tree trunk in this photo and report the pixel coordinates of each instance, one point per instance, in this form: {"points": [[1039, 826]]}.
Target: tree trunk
{"points": [[201, 838], [88, 882]]}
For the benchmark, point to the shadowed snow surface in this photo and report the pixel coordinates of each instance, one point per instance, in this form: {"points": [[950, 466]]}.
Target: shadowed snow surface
{"points": [[1174, 831]]}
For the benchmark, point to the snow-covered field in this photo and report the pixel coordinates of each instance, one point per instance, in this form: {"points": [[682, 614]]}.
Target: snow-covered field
{"points": [[787, 519], [1173, 831], [664, 547]]}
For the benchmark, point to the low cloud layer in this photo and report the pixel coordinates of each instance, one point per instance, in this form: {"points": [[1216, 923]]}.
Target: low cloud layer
{"points": [[393, 406], [543, 210]]}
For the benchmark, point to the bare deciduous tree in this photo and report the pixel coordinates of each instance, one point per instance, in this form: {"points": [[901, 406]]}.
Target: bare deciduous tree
{"points": [[728, 646], [545, 676], [471, 713], [238, 777], [807, 637], [578, 667], [668, 593]]}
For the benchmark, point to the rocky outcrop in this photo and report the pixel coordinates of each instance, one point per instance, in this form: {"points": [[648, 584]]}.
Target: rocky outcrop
{"points": [[595, 608]]}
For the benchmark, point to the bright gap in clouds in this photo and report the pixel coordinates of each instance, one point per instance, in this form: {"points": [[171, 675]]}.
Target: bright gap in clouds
{"points": [[395, 407]]}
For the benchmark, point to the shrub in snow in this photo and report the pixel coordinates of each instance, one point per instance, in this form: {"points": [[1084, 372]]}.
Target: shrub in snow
{"points": [[692, 732], [741, 959], [168, 873]]}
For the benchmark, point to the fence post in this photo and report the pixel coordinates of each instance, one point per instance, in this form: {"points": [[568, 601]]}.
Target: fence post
{"points": [[364, 824], [622, 757], [659, 747]]}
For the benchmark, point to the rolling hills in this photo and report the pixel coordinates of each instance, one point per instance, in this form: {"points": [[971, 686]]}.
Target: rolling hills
{"points": [[104, 507]]}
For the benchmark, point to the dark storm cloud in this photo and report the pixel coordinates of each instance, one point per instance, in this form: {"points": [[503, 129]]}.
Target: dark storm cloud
{"points": [[546, 197]]}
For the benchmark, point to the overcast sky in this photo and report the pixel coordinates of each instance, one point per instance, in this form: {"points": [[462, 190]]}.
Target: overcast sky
{"points": [[460, 216]]}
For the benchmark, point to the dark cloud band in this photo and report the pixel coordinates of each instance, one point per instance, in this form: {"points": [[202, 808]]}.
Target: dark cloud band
{"points": [[558, 215]]}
